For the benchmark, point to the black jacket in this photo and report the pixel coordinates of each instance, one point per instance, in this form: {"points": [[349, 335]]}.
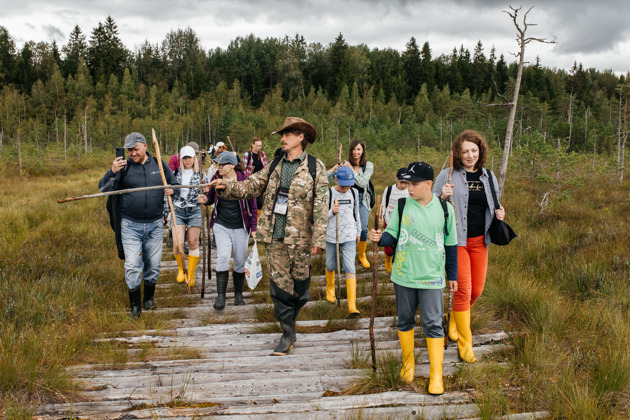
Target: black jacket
{"points": [[142, 206]]}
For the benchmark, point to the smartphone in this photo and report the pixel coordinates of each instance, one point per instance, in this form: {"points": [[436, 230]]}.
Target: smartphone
{"points": [[120, 152]]}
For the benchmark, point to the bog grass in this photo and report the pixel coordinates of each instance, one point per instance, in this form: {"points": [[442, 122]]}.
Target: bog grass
{"points": [[561, 289], [61, 283]]}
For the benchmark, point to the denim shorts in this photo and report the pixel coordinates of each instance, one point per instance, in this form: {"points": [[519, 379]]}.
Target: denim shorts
{"points": [[348, 252], [188, 216]]}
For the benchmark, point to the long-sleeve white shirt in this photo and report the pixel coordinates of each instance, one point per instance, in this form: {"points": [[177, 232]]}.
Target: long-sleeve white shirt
{"points": [[388, 207]]}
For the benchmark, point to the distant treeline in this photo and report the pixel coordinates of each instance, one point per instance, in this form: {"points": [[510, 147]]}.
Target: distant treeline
{"points": [[91, 93]]}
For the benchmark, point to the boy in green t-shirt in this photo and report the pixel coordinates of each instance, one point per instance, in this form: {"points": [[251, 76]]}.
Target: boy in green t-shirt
{"points": [[425, 244]]}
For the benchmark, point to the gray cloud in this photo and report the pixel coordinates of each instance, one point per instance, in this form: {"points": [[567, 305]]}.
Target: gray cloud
{"points": [[585, 31], [52, 32]]}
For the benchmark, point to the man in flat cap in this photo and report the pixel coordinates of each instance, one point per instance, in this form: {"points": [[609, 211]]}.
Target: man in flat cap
{"points": [[141, 217], [293, 220]]}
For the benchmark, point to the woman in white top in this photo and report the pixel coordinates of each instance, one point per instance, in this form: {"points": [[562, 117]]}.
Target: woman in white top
{"points": [[188, 211]]}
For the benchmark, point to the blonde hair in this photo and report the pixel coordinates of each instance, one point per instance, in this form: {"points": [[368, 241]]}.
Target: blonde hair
{"points": [[195, 164]]}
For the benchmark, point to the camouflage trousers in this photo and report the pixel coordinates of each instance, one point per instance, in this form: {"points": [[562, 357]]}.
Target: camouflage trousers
{"points": [[289, 272]]}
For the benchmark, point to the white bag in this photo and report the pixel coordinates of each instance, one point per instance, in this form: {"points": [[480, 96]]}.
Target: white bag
{"points": [[253, 269]]}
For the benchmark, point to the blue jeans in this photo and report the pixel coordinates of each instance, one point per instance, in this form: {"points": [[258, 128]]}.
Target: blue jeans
{"points": [[348, 252], [142, 243], [188, 216], [364, 214]]}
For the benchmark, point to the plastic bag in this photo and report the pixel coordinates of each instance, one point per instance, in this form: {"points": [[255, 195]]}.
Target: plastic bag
{"points": [[253, 269]]}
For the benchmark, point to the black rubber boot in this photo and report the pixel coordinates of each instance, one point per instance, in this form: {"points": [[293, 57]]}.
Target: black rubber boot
{"points": [[169, 241], [239, 281], [222, 281], [147, 300], [288, 337], [135, 299]]}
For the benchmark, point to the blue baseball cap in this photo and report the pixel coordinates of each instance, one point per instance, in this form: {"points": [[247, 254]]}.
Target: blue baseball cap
{"points": [[345, 176]]}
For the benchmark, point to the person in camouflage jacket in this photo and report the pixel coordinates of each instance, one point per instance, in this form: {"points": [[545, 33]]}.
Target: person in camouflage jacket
{"points": [[293, 237]]}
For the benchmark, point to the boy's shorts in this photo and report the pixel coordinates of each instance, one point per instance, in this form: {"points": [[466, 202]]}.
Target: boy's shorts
{"points": [[348, 252]]}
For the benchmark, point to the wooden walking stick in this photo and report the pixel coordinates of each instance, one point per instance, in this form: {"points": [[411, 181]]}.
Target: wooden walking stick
{"points": [[231, 145], [374, 281], [209, 245], [338, 266], [178, 247], [204, 246]]}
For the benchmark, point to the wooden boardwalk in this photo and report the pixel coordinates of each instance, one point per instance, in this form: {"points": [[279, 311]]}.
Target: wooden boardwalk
{"points": [[232, 374]]}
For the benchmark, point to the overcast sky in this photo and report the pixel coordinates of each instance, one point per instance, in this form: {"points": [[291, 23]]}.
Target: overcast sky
{"points": [[595, 33]]}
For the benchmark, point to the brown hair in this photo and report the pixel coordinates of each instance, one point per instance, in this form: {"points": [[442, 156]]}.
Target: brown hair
{"points": [[255, 139], [353, 144], [473, 137], [220, 150]]}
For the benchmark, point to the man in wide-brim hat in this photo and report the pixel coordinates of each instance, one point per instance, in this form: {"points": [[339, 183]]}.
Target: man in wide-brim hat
{"points": [[293, 220]]}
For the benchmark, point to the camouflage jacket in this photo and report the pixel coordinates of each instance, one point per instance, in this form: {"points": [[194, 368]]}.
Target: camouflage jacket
{"points": [[307, 218]]}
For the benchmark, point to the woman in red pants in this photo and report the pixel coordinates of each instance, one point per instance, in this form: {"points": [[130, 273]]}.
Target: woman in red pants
{"points": [[470, 189]]}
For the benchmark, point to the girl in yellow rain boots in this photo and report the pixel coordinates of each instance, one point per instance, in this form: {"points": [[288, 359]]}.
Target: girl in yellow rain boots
{"points": [[425, 244], [344, 207], [188, 213]]}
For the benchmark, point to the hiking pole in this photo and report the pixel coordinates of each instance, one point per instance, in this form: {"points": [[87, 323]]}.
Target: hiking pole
{"points": [[231, 145], [179, 246], [449, 308], [130, 190], [209, 235], [374, 282], [203, 243], [338, 267]]}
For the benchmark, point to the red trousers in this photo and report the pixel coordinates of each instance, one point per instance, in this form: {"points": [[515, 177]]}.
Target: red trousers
{"points": [[472, 267]]}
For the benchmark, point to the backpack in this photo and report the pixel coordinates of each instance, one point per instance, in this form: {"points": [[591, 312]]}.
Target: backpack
{"points": [[388, 193], [401, 209], [370, 191], [355, 195], [312, 168]]}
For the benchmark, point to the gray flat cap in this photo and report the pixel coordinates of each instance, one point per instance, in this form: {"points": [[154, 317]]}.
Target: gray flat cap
{"points": [[132, 139], [226, 158]]}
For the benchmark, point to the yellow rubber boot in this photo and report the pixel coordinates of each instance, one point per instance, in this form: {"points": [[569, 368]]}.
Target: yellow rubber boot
{"points": [[351, 291], [388, 263], [408, 371], [436, 357], [180, 274], [465, 336], [452, 328], [192, 266], [330, 287], [362, 258]]}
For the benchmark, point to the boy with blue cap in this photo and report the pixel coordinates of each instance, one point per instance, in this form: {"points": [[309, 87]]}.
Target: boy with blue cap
{"points": [[343, 201]]}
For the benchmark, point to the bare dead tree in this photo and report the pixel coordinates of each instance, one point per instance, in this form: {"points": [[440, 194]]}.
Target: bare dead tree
{"points": [[622, 136], [522, 41]]}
